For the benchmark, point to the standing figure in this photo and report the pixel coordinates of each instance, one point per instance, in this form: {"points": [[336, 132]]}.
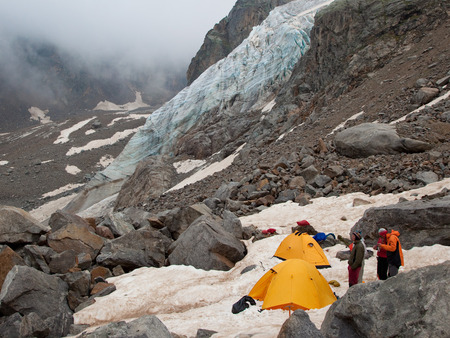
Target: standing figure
{"points": [[382, 261], [356, 259], [394, 252]]}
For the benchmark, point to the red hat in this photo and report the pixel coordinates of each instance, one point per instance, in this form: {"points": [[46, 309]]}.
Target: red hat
{"points": [[271, 230], [304, 222]]}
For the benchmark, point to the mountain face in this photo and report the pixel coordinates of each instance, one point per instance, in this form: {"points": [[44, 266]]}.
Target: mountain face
{"points": [[291, 84], [44, 76], [229, 33]]}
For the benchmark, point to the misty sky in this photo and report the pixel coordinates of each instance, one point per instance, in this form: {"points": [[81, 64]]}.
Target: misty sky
{"points": [[136, 30]]}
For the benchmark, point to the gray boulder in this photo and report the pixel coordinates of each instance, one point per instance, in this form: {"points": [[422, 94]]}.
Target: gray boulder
{"points": [[369, 139], [206, 245], [147, 326], [138, 248], [28, 290], [412, 304], [298, 325], [19, 227], [178, 220], [420, 223]]}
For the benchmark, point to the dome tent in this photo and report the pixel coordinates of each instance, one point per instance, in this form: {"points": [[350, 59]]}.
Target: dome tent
{"points": [[291, 285], [302, 246]]}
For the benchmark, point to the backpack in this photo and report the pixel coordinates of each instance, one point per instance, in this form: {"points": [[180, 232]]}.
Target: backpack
{"points": [[242, 304]]}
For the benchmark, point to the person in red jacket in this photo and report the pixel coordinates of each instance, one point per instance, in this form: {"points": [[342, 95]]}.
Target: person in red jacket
{"points": [[382, 262], [394, 252]]}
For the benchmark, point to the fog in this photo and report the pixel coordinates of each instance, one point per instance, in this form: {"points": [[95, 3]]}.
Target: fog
{"points": [[61, 55], [133, 31]]}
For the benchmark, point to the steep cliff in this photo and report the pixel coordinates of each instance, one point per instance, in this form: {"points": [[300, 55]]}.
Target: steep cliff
{"points": [[229, 33]]}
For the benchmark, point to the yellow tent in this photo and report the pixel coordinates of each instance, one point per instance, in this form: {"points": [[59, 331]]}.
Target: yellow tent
{"points": [[303, 246], [291, 285]]}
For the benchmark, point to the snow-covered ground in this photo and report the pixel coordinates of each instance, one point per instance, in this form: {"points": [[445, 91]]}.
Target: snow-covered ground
{"points": [[186, 299]]}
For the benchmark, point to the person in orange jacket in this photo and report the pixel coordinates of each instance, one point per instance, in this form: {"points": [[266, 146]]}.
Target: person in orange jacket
{"points": [[394, 252]]}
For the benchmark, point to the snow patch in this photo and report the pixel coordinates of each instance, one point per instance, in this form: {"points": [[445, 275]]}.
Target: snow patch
{"points": [[128, 117], [39, 115], [73, 170], [429, 104], [354, 117], [58, 191], [4, 162], [101, 143], [209, 170], [269, 106], [106, 105], [64, 135], [105, 161], [188, 165]]}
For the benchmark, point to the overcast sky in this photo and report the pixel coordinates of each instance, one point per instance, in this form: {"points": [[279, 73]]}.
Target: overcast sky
{"points": [[142, 30]]}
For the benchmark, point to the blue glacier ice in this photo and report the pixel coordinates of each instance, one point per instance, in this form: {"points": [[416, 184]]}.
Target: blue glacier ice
{"points": [[255, 70]]}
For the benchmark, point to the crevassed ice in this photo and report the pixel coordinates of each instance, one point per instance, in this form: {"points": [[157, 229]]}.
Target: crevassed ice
{"points": [[256, 68]]}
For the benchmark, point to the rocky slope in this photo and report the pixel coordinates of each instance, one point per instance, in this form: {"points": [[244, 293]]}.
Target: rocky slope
{"points": [[383, 79]]}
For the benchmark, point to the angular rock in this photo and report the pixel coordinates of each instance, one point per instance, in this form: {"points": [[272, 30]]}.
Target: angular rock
{"points": [[413, 304], [425, 95], [427, 177], [63, 262], [38, 257], [144, 327], [60, 219], [28, 290], [138, 248], [118, 223], [19, 227], [232, 224], [8, 259], [76, 237], [104, 232], [206, 245], [309, 173], [298, 325]]}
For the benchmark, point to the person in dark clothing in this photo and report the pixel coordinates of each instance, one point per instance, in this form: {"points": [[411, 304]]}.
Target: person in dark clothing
{"points": [[382, 262], [356, 259]]}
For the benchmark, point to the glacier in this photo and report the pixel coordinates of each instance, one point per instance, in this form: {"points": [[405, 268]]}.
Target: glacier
{"points": [[246, 79]]}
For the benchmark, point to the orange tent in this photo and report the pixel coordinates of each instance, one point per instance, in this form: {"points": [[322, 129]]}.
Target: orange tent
{"points": [[291, 285], [303, 246]]}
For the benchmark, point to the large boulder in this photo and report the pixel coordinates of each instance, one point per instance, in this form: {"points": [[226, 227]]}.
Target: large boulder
{"points": [[410, 304], [77, 237], [19, 227], [206, 245], [369, 139], [139, 248], [420, 223], [147, 326], [27, 290]]}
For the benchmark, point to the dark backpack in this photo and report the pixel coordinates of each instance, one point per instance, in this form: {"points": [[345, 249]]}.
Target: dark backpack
{"points": [[242, 304]]}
